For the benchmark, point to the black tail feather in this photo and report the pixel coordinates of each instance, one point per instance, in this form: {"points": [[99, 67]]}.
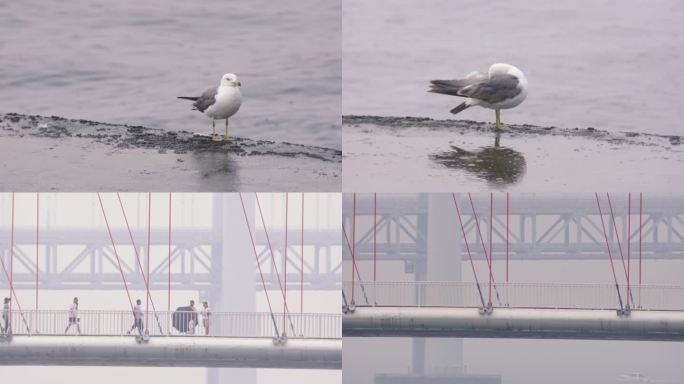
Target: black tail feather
{"points": [[188, 98], [458, 109]]}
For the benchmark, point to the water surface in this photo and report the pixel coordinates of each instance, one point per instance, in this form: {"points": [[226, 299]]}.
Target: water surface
{"points": [[613, 65], [126, 61]]}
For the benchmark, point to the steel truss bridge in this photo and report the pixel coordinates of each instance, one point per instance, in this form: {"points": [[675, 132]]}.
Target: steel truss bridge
{"points": [[196, 253], [539, 227], [83, 258]]}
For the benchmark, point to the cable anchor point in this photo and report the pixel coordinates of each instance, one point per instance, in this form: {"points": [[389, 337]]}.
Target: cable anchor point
{"points": [[486, 310]]}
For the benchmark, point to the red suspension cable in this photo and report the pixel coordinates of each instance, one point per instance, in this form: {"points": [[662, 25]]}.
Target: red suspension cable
{"points": [[285, 263], [617, 235], [507, 231], [123, 278], [275, 266], [484, 248], [605, 234], [301, 267], [13, 293], [169, 262], [147, 281], [37, 243], [625, 267], [491, 226], [9, 275], [629, 242], [11, 278], [641, 206], [465, 239], [355, 268], [375, 224], [256, 256], [353, 244]]}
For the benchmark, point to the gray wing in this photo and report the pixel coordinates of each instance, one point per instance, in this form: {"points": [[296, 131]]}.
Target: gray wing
{"points": [[494, 90], [205, 101], [454, 87]]}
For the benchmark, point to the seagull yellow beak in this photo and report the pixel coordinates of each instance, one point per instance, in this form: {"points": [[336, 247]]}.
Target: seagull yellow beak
{"points": [[238, 83]]}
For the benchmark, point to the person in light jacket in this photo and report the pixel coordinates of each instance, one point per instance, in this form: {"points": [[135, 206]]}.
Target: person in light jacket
{"points": [[73, 317]]}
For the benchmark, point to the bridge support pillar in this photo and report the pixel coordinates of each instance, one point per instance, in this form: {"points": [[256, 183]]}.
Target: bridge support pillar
{"points": [[233, 286], [440, 356]]}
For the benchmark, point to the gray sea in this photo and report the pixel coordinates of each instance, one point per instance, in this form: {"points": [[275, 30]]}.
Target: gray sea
{"points": [[126, 61], [610, 64]]}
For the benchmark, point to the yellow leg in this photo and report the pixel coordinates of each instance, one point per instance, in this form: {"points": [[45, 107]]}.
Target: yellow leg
{"points": [[214, 136], [226, 137], [499, 126]]}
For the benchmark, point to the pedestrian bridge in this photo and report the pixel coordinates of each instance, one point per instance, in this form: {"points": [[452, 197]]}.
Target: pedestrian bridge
{"points": [[255, 340], [559, 311]]}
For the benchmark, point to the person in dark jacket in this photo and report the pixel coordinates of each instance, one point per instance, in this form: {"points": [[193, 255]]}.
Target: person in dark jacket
{"points": [[184, 319]]}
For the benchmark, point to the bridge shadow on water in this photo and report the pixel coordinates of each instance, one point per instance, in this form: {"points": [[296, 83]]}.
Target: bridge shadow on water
{"points": [[499, 166]]}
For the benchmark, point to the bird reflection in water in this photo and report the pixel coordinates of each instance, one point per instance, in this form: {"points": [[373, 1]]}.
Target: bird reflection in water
{"points": [[499, 166]]}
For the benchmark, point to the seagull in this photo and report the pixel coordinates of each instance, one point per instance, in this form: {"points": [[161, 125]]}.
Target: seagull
{"points": [[502, 87], [219, 103]]}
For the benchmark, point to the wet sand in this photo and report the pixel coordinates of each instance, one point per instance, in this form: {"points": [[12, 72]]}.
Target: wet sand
{"points": [[413, 154], [56, 154]]}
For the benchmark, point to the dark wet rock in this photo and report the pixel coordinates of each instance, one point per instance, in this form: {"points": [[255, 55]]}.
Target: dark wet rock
{"points": [[79, 154], [125, 136], [398, 123]]}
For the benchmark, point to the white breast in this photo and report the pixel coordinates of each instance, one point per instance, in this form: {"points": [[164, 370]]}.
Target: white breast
{"points": [[510, 103], [228, 101]]}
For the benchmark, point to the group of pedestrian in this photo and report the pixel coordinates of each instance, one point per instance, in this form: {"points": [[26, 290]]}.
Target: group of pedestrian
{"points": [[184, 319]]}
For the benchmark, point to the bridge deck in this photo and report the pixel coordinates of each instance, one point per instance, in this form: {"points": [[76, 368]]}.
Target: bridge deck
{"points": [[514, 323], [172, 352]]}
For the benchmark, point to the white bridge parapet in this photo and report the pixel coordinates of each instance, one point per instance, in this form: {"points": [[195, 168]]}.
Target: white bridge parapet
{"points": [[514, 295], [178, 323]]}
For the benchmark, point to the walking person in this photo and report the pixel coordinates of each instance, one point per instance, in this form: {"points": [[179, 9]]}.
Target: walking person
{"points": [[5, 315], [73, 317], [137, 318], [205, 313]]}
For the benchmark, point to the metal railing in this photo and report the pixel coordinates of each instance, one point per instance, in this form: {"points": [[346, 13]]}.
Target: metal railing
{"points": [[515, 295], [177, 323]]}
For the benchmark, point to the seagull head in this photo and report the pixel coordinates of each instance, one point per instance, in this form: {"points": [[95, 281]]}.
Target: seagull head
{"points": [[506, 69], [230, 80]]}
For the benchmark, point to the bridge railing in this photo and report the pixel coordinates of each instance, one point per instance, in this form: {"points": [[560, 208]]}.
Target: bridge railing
{"points": [[176, 323], [517, 295]]}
